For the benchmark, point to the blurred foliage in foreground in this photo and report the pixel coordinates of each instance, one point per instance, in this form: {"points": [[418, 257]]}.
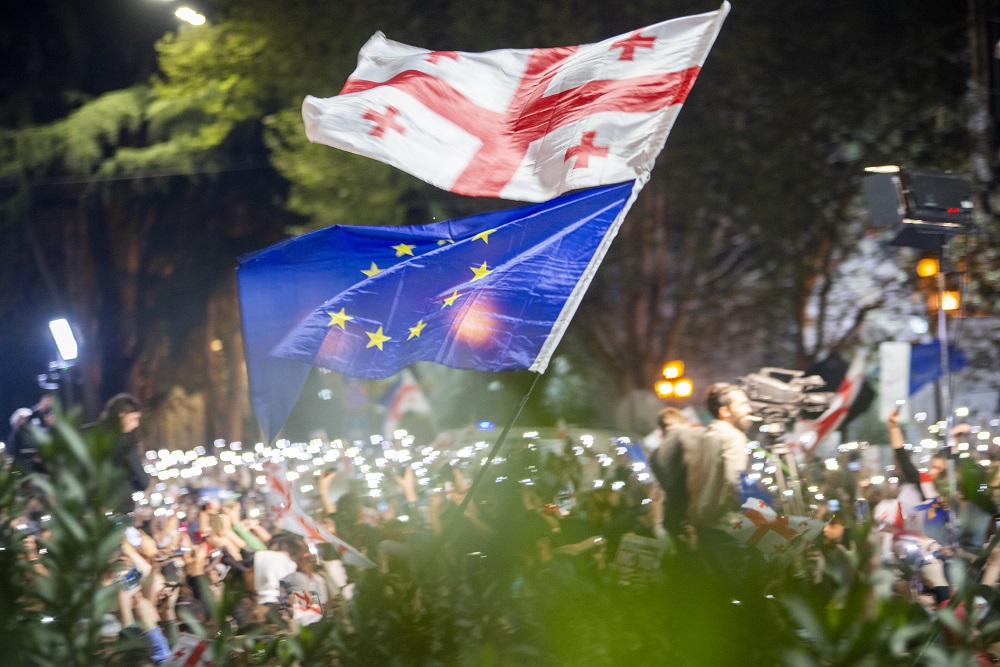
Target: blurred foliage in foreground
{"points": [[446, 610]]}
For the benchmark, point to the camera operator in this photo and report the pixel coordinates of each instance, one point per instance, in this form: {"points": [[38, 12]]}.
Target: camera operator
{"points": [[23, 440], [714, 465]]}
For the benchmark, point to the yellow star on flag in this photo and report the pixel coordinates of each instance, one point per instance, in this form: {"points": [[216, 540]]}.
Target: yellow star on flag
{"points": [[484, 236], [372, 271], [480, 271], [450, 301], [443, 241], [339, 318], [376, 339], [403, 249], [415, 330]]}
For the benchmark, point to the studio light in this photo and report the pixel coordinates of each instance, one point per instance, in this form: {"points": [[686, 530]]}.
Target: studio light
{"points": [[62, 333]]}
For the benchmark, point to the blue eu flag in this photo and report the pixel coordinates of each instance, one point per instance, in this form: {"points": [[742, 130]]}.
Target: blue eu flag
{"points": [[491, 292]]}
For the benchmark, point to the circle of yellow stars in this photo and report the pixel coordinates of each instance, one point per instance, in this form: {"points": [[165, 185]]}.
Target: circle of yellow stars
{"points": [[378, 337]]}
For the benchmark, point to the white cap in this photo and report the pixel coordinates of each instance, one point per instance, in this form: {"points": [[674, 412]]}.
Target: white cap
{"points": [[19, 416]]}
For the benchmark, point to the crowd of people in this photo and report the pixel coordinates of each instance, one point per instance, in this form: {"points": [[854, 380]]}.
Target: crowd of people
{"points": [[541, 508]]}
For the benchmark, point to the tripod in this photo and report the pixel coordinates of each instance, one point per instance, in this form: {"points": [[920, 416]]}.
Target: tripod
{"points": [[779, 454]]}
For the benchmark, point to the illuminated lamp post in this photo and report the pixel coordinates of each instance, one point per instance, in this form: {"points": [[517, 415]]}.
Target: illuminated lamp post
{"points": [[925, 210], [674, 385]]}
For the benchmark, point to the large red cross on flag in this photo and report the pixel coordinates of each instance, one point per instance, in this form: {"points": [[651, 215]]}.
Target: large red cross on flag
{"points": [[525, 124]]}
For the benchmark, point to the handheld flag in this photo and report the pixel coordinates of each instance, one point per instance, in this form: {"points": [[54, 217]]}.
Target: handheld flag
{"points": [[525, 124], [404, 396], [492, 292], [291, 516], [841, 404], [760, 526]]}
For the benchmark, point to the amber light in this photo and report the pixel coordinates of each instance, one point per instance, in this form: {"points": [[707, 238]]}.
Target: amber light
{"points": [[927, 267], [683, 388], [950, 300], [673, 370]]}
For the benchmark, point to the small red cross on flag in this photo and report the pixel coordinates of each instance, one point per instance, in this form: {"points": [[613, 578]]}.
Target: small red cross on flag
{"points": [[509, 123], [384, 121], [190, 651], [629, 44], [585, 150], [437, 55]]}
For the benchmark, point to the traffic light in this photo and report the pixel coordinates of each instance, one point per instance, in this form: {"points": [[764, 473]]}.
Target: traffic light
{"points": [[675, 385]]}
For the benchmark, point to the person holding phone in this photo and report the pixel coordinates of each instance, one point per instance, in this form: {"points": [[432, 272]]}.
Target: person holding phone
{"points": [[922, 508]]}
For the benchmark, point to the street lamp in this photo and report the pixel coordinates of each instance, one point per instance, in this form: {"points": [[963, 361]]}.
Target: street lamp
{"points": [[675, 385], [683, 388], [673, 369], [928, 267]]}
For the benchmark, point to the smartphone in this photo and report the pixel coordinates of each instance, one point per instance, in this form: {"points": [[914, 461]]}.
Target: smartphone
{"points": [[131, 579]]}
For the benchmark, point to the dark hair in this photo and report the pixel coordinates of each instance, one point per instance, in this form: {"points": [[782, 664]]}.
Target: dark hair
{"points": [[291, 544], [119, 404], [670, 416], [718, 395]]}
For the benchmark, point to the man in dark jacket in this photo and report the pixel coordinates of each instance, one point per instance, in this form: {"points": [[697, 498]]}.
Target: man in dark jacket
{"points": [[667, 463], [119, 426]]}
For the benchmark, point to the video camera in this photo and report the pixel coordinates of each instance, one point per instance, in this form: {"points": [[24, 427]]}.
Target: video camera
{"points": [[781, 396]]}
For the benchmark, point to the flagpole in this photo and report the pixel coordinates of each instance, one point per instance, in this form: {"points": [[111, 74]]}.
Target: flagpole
{"points": [[450, 527]]}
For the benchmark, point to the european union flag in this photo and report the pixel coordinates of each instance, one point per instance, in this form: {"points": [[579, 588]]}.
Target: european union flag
{"points": [[491, 292]]}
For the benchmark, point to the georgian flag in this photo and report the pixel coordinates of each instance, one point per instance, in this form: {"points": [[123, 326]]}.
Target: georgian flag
{"points": [[289, 515], [404, 396], [760, 526], [190, 651], [813, 431], [524, 124]]}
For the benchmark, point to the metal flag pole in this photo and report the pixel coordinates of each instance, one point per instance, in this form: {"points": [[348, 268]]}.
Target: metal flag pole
{"points": [[481, 475], [944, 388]]}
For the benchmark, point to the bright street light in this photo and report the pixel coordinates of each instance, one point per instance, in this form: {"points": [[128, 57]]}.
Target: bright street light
{"points": [[65, 340], [189, 15]]}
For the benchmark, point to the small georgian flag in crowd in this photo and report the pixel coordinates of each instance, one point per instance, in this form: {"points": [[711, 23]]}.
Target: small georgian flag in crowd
{"points": [[761, 527], [289, 515], [403, 397], [190, 651], [523, 124]]}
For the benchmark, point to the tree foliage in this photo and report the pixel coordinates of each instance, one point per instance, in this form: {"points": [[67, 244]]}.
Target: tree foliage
{"points": [[726, 257]]}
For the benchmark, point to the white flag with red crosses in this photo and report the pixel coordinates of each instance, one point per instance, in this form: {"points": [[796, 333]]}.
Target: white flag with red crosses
{"points": [[290, 516], [760, 526], [524, 124], [190, 651]]}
